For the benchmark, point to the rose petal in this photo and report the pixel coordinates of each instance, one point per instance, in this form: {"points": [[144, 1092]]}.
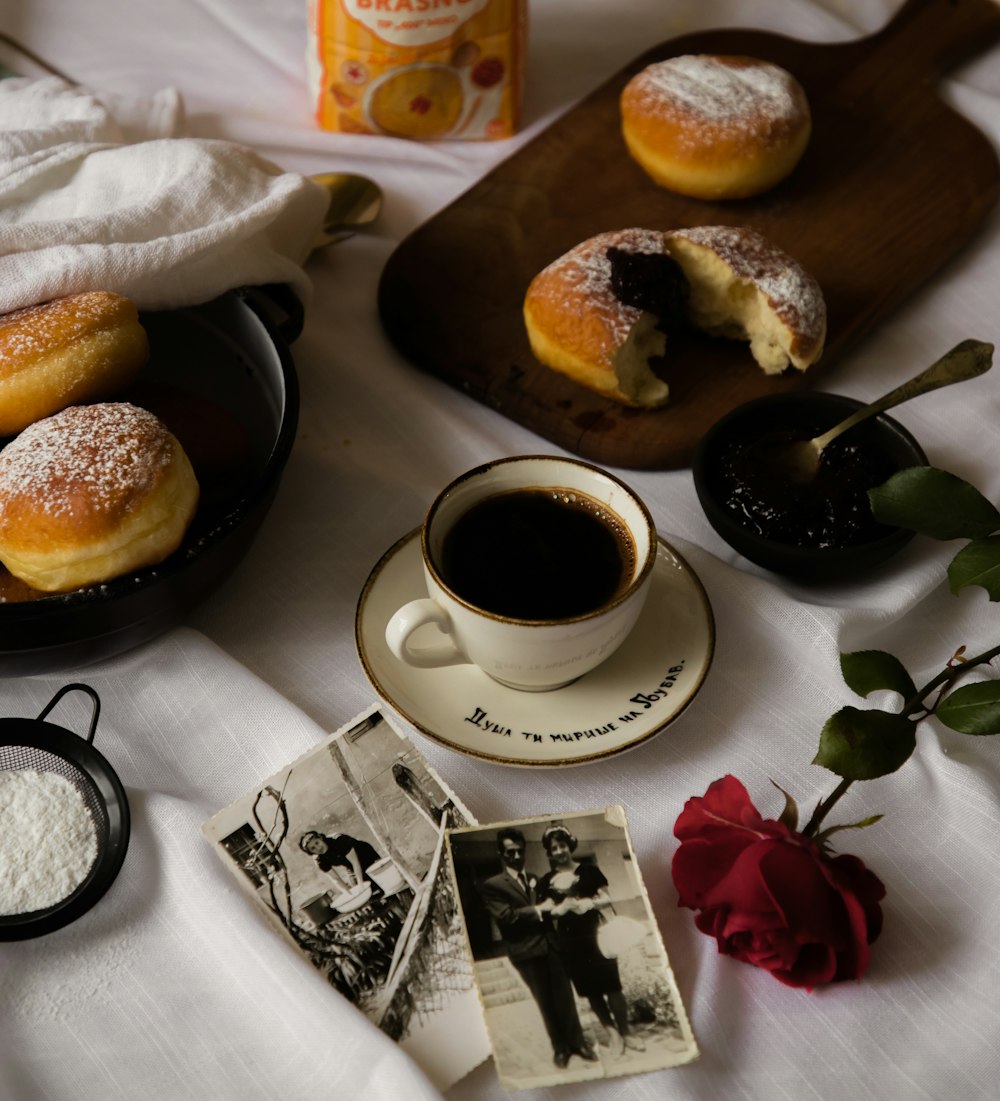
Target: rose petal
{"points": [[700, 865], [860, 891], [803, 894], [817, 902], [725, 804], [713, 922], [744, 888], [816, 964], [850, 874], [773, 953]]}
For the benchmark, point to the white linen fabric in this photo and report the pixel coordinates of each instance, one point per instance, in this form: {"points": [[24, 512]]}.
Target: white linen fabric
{"points": [[96, 191], [172, 987], [106, 994]]}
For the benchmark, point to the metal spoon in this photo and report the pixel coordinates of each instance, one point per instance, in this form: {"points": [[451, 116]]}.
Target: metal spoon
{"points": [[355, 201], [966, 360]]}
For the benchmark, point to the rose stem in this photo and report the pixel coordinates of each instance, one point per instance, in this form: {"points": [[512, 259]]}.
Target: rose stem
{"points": [[944, 679]]}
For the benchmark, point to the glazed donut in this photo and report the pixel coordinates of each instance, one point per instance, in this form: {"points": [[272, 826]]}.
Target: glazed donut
{"points": [[578, 325], [79, 348], [744, 287], [714, 126], [91, 493]]}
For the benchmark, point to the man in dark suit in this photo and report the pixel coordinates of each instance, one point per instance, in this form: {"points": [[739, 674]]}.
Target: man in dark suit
{"points": [[527, 934]]}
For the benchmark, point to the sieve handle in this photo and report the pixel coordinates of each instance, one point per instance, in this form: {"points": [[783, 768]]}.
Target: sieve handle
{"points": [[95, 699]]}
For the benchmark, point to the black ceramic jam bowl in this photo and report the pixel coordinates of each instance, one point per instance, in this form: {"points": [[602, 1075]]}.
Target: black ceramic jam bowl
{"points": [[881, 435]]}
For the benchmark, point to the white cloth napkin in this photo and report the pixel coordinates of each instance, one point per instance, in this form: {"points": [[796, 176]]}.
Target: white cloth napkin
{"points": [[98, 193]]}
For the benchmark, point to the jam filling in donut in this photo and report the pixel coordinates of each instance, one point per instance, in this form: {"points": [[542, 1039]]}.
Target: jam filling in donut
{"points": [[650, 281]]}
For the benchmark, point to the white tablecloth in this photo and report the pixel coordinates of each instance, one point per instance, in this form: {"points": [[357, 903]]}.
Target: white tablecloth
{"points": [[172, 987]]}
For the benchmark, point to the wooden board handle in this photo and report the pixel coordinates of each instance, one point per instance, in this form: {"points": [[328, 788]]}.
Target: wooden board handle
{"points": [[937, 35]]}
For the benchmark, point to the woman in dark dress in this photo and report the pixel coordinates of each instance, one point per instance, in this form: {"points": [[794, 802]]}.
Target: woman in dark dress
{"points": [[346, 858], [578, 893]]}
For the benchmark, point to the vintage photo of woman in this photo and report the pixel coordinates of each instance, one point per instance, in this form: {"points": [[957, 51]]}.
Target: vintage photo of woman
{"points": [[345, 851], [573, 976]]}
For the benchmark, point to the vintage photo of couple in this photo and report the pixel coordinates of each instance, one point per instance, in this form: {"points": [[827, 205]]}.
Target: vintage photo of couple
{"points": [[572, 973]]}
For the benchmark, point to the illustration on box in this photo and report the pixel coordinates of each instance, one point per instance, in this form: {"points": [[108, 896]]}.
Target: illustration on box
{"points": [[425, 71]]}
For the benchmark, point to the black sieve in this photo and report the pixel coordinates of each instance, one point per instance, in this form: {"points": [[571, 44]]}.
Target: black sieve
{"points": [[43, 747]]}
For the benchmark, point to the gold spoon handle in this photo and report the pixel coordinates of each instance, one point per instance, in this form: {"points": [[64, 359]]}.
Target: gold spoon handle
{"points": [[966, 360], [355, 201]]}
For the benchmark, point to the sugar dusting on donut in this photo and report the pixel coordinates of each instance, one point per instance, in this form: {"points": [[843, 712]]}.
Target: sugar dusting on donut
{"points": [[715, 126], [724, 91], [74, 350], [792, 292], [86, 457], [581, 278], [39, 328]]}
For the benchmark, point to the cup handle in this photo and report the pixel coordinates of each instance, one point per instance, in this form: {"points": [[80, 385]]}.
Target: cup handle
{"points": [[406, 620]]}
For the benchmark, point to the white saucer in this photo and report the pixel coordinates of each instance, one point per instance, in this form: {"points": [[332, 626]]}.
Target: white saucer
{"points": [[639, 690]]}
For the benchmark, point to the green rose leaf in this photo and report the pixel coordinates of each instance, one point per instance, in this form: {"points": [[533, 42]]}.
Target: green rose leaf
{"points": [[860, 745], [973, 708], [935, 503], [867, 671], [977, 563]]}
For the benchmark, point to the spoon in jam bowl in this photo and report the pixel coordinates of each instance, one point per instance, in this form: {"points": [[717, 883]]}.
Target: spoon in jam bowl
{"points": [[799, 459], [355, 201]]}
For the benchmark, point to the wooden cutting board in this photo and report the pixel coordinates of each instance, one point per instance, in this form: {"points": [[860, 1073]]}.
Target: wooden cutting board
{"points": [[893, 183]]}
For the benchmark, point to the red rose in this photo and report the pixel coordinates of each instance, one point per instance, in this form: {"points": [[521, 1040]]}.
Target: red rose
{"points": [[771, 896]]}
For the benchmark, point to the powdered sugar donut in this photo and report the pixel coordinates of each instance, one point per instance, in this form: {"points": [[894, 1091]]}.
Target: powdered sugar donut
{"points": [[83, 347], [715, 126], [580, 323], [91, 493]]}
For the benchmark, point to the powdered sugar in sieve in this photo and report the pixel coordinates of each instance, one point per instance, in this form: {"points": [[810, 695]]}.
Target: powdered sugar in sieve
{"points": [[48, 840], [64, 822]]}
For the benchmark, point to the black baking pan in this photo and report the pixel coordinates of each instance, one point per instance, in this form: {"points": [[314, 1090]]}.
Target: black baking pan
{"points": [[221, 376]]}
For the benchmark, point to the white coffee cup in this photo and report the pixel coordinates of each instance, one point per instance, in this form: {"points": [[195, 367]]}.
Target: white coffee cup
{"points": [[529, 654]]}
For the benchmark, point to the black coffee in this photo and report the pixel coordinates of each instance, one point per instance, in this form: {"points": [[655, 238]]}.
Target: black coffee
{"points": [[538, 554]]}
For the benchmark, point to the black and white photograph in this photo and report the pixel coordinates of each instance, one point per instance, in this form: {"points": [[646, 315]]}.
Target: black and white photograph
{"points": [[345, 852], [571, 970]]}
